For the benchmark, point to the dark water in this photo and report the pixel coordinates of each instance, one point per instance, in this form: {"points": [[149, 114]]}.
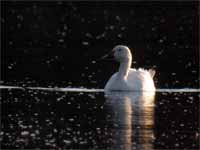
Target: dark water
{"points": [[59, 43], [94, 120]]}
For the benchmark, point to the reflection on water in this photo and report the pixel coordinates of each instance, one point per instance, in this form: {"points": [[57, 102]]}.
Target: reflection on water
{"points": [[50, 118], [133, 114]]}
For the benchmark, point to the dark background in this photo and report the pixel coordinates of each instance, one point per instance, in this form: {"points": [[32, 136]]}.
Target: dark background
{"points": [[59, 43]]}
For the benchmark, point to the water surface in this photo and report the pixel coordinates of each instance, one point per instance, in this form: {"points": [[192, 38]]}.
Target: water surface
{"points": [[89, 118]]}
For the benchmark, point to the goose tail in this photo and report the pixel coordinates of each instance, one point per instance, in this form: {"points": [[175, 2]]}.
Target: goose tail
{"points": [[152, 72]]}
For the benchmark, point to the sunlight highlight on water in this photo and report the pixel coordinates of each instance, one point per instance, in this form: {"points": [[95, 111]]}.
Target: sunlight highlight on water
{"points": [[69, 89]]}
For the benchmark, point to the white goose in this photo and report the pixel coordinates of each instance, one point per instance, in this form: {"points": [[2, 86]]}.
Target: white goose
{"points": [[128, 79]]}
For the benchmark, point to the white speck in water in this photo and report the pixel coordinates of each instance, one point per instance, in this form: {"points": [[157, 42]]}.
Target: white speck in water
{"points": [[20, 17], [37, 132], [177, 144], [173, 73], [19, 25], [32, 134], [82, 74], [63, 33], [123, 28], [153, 29], [83, 142], [85, 43], [111, 27], [118, 18], [160, 52], [24, 133], [100, 36], [10, 43], [162, 20], [185, 110], [91, 96], [191, 98], [89, 35], [9, 67], [61, 40], [35, 114], [161, 41], [181, 28], [55, 130], [65, 27], [1, 133], [194, 71], [119, 35], [71, 119], [75, 139], [93, 62], [67, 142]]}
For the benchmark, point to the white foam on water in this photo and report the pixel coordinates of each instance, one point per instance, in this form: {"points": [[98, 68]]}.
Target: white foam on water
{"points": [[69, 89], [10, 87]]}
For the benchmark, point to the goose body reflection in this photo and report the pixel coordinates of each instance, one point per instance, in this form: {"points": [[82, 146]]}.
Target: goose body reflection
{"points": [[128, 79], [133, 115]]}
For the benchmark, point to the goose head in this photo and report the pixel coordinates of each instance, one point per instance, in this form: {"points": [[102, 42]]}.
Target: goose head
{"points": [[122, 53]]}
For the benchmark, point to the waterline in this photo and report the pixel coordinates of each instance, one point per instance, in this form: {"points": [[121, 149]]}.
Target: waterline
{"points": [[69, 89]]}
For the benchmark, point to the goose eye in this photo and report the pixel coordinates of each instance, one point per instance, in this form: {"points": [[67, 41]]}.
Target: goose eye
{"points": [[119, 49]]}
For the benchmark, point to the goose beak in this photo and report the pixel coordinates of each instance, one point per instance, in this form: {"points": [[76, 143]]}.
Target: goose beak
{"points": [[109, 56]]}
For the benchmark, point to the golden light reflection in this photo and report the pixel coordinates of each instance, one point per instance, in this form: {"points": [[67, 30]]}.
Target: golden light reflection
{"points": [[133, 116]]}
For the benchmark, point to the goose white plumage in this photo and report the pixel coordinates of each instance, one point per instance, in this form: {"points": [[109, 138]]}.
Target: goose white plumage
{"points": [[127, 78]]}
